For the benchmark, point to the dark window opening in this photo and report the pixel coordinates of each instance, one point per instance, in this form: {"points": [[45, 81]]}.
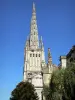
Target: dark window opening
{"points": [[32, 50], [30, 55], [39, 55], [36, 55], [33, 55]]}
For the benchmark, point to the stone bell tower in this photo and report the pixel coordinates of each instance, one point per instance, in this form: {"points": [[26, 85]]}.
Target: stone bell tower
{"points": [[34, 58]]}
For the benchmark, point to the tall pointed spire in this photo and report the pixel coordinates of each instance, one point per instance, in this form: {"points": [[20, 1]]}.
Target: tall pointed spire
{"points": [[34, 42]]}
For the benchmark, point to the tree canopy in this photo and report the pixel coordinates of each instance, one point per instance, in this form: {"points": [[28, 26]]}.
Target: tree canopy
{"points": [[56, 85], [62, 84], [69, 82], [24, 91]]}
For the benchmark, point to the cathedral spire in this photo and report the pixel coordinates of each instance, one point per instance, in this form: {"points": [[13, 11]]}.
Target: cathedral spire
{"points": [[34, 42]]}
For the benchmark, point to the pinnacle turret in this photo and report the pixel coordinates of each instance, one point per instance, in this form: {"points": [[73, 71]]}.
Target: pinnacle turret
{"points": [[49, 57], [41, 44]]}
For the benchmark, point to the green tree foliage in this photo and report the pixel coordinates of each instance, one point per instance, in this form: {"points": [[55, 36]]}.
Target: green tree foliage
{"points": [[46, 92], [62, 84], [69, 82], [24, 91], [56, 85], [56, 88]]}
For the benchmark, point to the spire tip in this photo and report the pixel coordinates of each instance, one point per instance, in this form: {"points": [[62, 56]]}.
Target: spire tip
{"points": [[33, 6]]}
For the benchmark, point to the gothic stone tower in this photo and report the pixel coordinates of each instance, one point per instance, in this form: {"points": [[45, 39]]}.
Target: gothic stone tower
{"points": [[34, 58]]}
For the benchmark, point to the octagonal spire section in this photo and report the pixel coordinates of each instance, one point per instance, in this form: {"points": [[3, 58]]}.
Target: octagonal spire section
{"points": [[34, 41]]}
